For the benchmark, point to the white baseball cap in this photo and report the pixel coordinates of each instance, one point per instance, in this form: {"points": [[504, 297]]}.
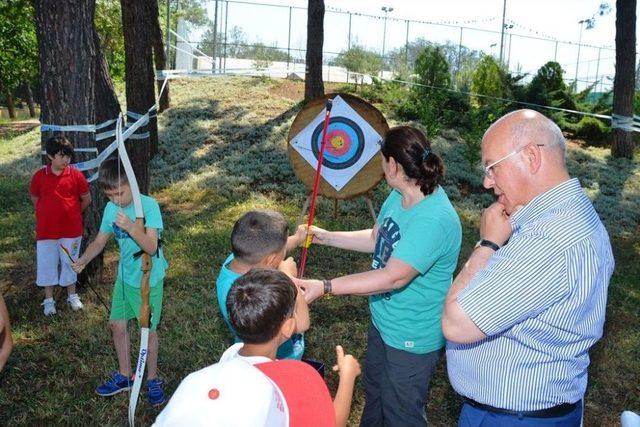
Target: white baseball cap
{"points": [[232, 393]]}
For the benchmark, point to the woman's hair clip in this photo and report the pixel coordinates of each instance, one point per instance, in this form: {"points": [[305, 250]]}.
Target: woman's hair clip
{"points": [[426, 154]]}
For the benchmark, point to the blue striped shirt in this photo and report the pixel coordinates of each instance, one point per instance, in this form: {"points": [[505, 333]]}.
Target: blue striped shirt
{"points": [[541, 302]]}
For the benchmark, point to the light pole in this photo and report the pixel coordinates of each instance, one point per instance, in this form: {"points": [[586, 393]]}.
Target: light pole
{"points": [[589, 22], [386, 10], [504, 12]]}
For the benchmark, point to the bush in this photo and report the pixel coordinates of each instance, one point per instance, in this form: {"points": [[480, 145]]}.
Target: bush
{"points": [[592, 130]]}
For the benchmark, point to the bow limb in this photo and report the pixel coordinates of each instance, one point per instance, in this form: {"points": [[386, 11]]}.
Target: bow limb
{"points": [[145, 308]]}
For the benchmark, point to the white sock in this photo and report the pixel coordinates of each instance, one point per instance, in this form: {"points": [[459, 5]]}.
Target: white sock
{"points": [[49, 300]]}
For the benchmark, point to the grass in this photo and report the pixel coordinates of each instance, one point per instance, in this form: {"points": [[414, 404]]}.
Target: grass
{"points": [[223, 152]]}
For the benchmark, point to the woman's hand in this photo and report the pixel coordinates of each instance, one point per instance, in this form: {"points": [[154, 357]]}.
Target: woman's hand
{"points": [[319, 235], [313, 289]]}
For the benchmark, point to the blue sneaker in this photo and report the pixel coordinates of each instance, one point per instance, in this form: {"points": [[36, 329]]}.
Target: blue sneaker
{"points": [[155, 394], [114, 385]]}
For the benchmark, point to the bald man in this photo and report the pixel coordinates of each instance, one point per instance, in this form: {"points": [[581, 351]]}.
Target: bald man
{"points": [[530, 302]]}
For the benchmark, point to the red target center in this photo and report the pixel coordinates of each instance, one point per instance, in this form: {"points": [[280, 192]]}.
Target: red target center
{"points": [[338, 142]]}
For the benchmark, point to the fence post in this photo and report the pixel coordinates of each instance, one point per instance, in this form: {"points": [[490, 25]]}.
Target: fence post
{"points": [[459, 51], [406, 46], [509, 54], [349, 43], [555, 54], [289, 40], [598, 68], [215, 35], [226, 22]]}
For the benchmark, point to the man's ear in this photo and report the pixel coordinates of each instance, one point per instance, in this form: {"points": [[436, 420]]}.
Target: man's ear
{"points": [[533, 157], [288, 327]]}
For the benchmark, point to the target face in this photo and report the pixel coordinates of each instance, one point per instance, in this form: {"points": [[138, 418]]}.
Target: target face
{"points": [[345, 143]]}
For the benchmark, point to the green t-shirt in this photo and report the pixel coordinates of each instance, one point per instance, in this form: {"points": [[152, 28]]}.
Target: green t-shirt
{"points": [[426, 236], [129, 269]]}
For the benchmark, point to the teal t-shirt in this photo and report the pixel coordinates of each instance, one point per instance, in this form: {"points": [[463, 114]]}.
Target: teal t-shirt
{"points": [[129, 269], [293, 348], [426, 236]]}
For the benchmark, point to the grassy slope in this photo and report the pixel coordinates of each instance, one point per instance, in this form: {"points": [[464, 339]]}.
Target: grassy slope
{"points": [[222, 153]]}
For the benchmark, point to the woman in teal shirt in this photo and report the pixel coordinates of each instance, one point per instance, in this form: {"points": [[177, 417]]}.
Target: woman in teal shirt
{"points": [[415, 244]]}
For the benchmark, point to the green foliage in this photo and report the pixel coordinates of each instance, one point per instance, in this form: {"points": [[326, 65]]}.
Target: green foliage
{"points": [[489, 79], [592, 130], [359, 60], [432, 69], [18, 44], [403, 59], [108, 22]]}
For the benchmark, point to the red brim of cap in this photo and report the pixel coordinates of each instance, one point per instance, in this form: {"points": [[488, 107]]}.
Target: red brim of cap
{"points": [[305, 392]]}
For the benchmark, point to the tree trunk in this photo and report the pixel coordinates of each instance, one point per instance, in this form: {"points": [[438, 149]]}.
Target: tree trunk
{"points": [[11, 108], [67, 66], [139, 83], [313, 86], [159, 54], [107, 107], [623, 84], [29, 95]]}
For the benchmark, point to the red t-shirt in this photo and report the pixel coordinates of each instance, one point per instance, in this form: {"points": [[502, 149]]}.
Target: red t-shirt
{"points": [[58, 212]]}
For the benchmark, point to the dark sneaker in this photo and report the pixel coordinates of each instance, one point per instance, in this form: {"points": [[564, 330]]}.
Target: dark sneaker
{"points": [[114, 385], [155, 394]]}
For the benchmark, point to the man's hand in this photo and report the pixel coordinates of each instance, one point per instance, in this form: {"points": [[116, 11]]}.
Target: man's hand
{"points": [[347, 366], [495, 225], [313, 289], [288, 267], [124, 222]]}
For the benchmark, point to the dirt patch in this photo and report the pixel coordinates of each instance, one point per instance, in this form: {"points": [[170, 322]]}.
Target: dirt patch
{"points": [[294, 90], [288, 89], [16, 128]]}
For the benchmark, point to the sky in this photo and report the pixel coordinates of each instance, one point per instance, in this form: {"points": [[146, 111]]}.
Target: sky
{"points": [[557, 20]]}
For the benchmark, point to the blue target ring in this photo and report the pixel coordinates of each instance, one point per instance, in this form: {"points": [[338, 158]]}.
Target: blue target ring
{"points": [[349, 140]]}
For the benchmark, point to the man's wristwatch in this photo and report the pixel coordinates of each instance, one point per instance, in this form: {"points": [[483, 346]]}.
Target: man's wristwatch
{"points": [[487, 244], [327, 286]]}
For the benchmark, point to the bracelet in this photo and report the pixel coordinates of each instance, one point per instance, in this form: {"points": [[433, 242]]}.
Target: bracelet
{"points": [[327, 286], [487, 244]]}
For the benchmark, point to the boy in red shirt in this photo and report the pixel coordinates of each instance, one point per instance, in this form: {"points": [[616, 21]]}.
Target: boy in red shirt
{"points": [[60, 193]]}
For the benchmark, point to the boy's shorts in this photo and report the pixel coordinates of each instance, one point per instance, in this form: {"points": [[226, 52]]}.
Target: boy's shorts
{"points": [[53, 265], [126, 303]]}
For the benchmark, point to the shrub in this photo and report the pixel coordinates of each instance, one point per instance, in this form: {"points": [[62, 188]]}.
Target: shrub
{"points": [[592, 130]]}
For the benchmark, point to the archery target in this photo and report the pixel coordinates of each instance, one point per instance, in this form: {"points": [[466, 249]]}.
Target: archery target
{"points": [[345, 143], [351, 143]]}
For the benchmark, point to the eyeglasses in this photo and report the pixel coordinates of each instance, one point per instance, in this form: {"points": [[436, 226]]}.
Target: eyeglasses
{"points": [[488, 170]]}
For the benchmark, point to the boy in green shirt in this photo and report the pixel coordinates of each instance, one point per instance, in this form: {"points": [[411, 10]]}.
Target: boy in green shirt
{"points": [[260, 239], [118, 220]]}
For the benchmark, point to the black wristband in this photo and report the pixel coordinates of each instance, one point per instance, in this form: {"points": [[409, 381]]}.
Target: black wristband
{"points": [[327, 286], [488, 244]]}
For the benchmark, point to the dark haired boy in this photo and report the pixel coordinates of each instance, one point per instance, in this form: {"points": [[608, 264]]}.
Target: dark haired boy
{"points": [[118, 220], [60, 193], [263, 311], [260, 239]]}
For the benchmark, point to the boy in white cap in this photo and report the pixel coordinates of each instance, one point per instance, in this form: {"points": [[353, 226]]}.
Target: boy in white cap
{"points": [[262, 305]]}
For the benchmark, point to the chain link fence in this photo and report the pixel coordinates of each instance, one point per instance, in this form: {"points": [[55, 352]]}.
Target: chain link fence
{"points": [[248, 35]]}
